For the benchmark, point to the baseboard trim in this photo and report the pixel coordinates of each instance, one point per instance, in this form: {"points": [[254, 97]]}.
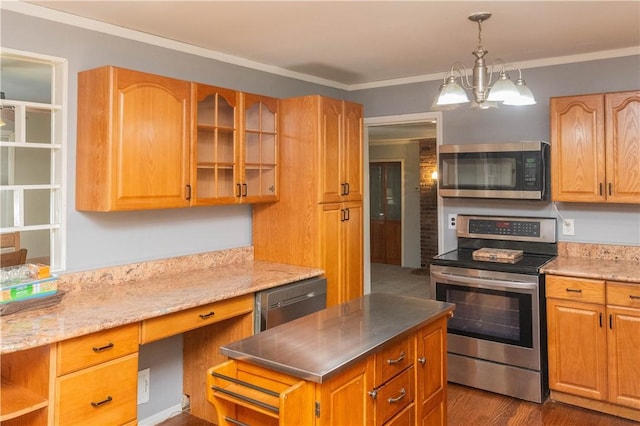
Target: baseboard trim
{"points": [[161, 416], [592, 404]]}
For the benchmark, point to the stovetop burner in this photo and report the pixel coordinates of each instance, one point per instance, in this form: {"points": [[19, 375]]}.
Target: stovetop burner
{"points": [[536, 237], [463, 258]]}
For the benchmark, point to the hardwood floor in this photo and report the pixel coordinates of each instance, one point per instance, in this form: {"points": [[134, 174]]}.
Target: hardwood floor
{"points": [[471, 407]]}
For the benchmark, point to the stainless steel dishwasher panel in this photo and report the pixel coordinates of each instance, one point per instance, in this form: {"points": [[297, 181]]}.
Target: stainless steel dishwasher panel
{"points": [[285, 303]]}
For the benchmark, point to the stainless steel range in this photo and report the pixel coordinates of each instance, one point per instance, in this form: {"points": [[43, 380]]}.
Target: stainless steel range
{"points": [[497, 338]]}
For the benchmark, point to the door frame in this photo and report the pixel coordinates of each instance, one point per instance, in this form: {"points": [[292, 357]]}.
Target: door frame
{"points": [[386, 121]]}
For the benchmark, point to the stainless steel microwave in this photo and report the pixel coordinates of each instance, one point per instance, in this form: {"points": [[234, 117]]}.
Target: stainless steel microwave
{"points": [[518, 170]]}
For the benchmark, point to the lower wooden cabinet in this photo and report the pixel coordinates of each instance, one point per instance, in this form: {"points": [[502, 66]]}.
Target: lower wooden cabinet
{"points": [[396, 386], [593, 329]]}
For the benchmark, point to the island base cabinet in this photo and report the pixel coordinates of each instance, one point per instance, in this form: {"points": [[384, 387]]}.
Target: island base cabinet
{"points": [[431, 373]]}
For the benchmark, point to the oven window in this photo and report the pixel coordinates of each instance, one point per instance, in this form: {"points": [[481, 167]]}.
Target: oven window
{"points": [[499, 316]]}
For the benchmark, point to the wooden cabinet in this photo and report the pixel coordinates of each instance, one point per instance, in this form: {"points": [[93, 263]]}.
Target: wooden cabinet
{"points": [[431, 374], [318, 219], [96, 378], [133, 141], [623, 341], [234, 153], [593, 329], [150, 142], [24, 388], [595, 142]]}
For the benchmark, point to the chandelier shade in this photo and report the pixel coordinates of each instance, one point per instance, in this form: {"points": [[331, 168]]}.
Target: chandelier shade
{"points": [[486, 95]]}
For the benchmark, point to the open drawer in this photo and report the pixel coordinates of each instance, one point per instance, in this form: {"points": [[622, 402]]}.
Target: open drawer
{"points": [[245, 394]]}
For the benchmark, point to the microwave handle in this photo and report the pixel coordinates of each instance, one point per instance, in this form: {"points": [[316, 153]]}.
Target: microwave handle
{"points": [[544, 176]]}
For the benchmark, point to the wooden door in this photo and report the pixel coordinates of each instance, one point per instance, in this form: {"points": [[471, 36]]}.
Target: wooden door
{"points": [[385, 183], [344, 399], [431, 374], [577, 340], [151, 144], [623, 146], [577, 148], [352, 237], [330, 118], [623, 341], [352, 152]]}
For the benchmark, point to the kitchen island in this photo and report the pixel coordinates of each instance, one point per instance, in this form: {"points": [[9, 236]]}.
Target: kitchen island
{"points": [[379, 359]]}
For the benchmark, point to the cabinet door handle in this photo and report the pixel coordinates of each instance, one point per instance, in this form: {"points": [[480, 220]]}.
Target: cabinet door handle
{"points": [[422, 360], [600, 188], [235, 422], [397, 360], [347, 214], [98, 349], [238, 190], [600, 320], [188, 192], [244, 190], [343, 215], [347, 189], [99, 403], [611, 321], [373, 393], [574, 290], [633, 296], [610, 189], [403, 393], [207, 315]]}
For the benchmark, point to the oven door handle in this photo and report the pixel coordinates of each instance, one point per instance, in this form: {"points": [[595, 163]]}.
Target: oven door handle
{"points": [[483, 282]]}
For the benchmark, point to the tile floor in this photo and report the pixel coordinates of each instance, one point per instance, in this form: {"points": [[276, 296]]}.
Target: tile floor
{"points": [[398, 280]]}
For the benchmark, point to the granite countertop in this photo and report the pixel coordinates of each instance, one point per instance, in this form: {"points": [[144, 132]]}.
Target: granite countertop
{"points": [[97, 301], [319, 345], [596, 261]]}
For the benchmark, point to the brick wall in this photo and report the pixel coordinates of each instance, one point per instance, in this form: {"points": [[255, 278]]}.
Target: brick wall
{"points": [[428, 202]]}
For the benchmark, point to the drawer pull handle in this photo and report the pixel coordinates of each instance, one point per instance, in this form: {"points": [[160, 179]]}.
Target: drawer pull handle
{"points": [[102, 348], [403, 393], [574, 290], [207, 315], [633, 296], [422, 360], [235, 422], [245, 398], [373, 394], [99, 403], [397, 360]]}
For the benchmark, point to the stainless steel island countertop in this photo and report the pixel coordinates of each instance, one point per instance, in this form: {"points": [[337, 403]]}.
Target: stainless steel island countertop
{"points": [[317, 346]]}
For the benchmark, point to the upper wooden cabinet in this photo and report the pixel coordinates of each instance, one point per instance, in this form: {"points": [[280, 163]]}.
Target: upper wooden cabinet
{"points": [[595, 142], [150, 142], [234, 147], [133, 141], [340, 150]]}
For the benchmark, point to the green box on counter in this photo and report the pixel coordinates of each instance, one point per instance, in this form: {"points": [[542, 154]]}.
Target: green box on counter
{"points": [[28, 289]]}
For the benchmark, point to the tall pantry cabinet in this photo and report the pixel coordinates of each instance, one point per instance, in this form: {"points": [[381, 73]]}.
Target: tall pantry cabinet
{"points": [[318, 220]]}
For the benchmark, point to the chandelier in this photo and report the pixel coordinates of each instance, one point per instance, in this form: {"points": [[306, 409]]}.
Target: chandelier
{"points": [[485, 95]]}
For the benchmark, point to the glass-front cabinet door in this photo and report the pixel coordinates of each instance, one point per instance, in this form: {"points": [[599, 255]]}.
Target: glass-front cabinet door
{"points": [[214, 151], [259, 150]]}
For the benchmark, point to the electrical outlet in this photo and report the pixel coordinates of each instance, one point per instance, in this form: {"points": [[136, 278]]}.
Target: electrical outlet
{"points": [[143, 385], [567, 227], [452, 221]]}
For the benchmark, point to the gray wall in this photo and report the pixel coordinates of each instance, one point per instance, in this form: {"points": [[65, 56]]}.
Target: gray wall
{"points": [[598, 223], [98, 240]]}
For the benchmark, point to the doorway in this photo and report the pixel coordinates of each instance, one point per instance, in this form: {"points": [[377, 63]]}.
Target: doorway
{"points": [[385, 186]]}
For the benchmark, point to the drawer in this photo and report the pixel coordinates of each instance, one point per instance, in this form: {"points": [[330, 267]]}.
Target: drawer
{"points": [[623, 294], [578, 289], [393, 358], [404, 418], [96, 348], [169, 325], [393, 396], [105, 394]]}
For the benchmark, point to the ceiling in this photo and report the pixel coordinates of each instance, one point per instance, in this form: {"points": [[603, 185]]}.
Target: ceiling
{"points": [[349, 44], [359, 44]]}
